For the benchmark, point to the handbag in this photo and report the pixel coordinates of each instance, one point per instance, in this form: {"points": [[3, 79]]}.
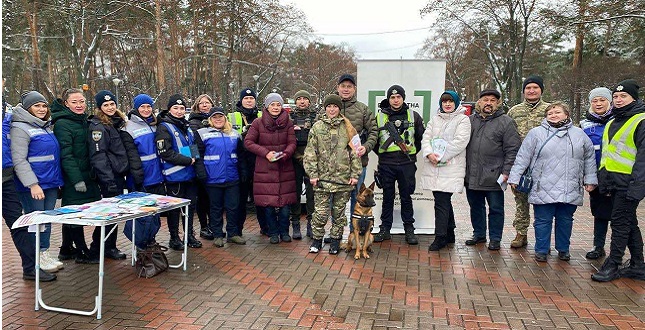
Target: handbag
{"points": [[526, 180], [151, 261]]}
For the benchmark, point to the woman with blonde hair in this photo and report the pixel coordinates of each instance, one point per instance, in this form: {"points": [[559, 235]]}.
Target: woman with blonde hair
{"points": [[219, 167]]}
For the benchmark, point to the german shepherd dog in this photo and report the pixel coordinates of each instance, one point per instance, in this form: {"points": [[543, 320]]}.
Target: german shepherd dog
{"points": [[361, 238]]}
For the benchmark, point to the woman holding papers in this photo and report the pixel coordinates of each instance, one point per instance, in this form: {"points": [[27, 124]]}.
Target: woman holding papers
{"points": [[444, 152]]}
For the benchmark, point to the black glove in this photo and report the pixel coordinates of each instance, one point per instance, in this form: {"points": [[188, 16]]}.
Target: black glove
{"points": [[113, 189]]}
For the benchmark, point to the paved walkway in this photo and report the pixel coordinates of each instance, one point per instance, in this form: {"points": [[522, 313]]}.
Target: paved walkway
{"points": [[264, 286]]}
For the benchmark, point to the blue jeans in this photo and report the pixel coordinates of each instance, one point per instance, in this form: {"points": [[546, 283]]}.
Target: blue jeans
{"points": [[223, 198], [544, 214], [278, 220], [352, 197], [477, 200], [30, 205]]}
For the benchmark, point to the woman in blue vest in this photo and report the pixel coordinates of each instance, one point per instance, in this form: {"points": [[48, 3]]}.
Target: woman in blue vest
{"points": [[36, 156], [145, 175], [174, 139], [600, 112], [219, 169], [109, 161]]}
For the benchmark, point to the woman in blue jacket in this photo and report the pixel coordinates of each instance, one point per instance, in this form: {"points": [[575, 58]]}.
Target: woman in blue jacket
{"points": [[36, 156], [219, 169]]}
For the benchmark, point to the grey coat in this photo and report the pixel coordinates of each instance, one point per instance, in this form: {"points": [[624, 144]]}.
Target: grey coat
{"points": [[567, 162]]}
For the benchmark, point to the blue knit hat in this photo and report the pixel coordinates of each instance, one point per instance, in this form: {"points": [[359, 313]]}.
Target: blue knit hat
{"points": [[104, 96], [142, 99]]}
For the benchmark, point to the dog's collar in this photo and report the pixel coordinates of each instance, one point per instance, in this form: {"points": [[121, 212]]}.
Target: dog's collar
{"points": [[359, 216], [363, 205]]}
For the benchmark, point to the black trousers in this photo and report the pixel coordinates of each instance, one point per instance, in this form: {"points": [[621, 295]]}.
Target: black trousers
{"points": [[24, 241], [443, 213], [625, 232], [186, 190], [203, 205], [296, 209], [405, 176]]}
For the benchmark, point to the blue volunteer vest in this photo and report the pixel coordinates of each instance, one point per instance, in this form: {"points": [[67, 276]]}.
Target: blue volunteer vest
{"points": [[594, 131], [144, 138], [178, 173], [43, 156], [220, 155], [6, 141]]}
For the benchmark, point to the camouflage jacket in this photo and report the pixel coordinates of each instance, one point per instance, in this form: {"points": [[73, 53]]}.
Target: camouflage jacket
{"points": [[303, 120], [328, 156], [527, 116]]}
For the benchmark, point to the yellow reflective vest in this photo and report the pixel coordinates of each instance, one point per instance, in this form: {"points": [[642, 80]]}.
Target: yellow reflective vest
{"points": [[383, 135], [619, 154]]}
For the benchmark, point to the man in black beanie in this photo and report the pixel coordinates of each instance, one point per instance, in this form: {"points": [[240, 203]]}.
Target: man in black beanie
{"points": [[397, 160], [623, 178], [526, 115]]}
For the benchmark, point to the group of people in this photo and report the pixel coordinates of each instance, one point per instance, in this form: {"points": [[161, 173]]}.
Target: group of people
{"points": [[220, 160]]}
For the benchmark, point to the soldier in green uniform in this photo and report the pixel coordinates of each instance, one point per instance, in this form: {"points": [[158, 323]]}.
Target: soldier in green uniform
{"points": [[333, 167], [527, 115]]}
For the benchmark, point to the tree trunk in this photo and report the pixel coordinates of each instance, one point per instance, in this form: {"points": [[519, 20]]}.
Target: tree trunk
{"points": [[161, 75], [577, 61], [36, 71]]}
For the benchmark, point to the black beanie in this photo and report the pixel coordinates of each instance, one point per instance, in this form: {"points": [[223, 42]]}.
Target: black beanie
{"points": [[104, 96], [396, 89], [534, 79], [629, 86], [247, 92], [176, 100]]}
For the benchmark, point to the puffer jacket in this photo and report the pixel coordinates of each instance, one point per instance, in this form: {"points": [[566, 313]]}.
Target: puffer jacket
{"points": [[364, 122], [454, 128], [329, 158], [565, 165], [274, 183]]}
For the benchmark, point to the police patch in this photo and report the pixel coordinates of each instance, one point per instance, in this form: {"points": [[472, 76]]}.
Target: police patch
{"points": [[248, 91], [176, 133], [97, 135], [107, 97], [160, 145], [620, 88]]}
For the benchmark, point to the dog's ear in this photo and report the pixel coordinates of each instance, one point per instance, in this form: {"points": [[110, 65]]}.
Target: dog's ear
{"points": [[372, 185], [362, 188]]}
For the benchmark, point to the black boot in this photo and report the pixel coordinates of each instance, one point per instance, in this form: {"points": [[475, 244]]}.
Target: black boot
{"points": [[193, 242], [310, 234], [334, 246], [382, 235], [439, 243], [608, 272], [635, 270], [295, 225], [450, 238], [175, 242], [410, 237]]}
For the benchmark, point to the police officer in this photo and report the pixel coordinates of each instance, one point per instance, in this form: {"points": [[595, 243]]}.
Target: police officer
{"points": [[174, 140], [303, 117], [397, 160], [622, 175]]}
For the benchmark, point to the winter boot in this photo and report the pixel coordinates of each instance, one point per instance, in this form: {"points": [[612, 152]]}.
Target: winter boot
{"points": [[608, 272], [410, 237], [439, 243], [193, 242], [316, 245], [295, 225], [450, 238], [383, 235], [520, 241], [334, 246], [635, 270], [175, 242]]}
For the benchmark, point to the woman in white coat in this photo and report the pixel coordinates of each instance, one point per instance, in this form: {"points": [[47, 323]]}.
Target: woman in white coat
{"points": [[444, 152]]}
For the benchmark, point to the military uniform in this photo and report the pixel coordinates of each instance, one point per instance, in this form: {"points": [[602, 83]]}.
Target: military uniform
{"points": [[526, 117], [303, 120]]}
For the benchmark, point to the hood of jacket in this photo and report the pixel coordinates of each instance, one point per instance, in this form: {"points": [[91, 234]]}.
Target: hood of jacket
{"points": [[495, 114], [196, 115], [447, 115], [180, 123], [629, 110], [333, 122], [247, 112], [387, 109], [136, 116], [279, 122], [60, 111], [562, 130], [24, 116]]}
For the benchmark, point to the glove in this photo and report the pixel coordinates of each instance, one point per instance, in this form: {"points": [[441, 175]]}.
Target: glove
{"points": [[112, 188], [80, 186]]}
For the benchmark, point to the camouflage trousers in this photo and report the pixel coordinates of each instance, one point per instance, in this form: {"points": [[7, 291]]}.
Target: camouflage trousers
{"points": [[325, 201], [522, 212]]}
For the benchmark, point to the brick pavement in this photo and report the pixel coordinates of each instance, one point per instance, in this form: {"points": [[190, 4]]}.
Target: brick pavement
{"points": [[264, 286]]}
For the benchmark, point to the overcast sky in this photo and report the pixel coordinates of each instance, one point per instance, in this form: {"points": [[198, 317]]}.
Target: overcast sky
{"points": [[361, 25]]}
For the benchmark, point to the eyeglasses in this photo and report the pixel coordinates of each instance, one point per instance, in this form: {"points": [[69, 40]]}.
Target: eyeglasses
{"points": [[205, 102]]}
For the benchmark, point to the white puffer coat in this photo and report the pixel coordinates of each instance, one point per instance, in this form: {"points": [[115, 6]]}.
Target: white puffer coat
{"points": [[567, 162], [454, 128]]}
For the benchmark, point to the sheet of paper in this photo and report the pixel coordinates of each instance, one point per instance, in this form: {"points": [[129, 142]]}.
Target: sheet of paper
{"points": [[502, 184]]}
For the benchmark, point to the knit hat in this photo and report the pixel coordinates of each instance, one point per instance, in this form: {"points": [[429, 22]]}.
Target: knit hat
{"points": [[30, 98], [216, 110], [272, 97], [332, 99], [600, 91], [142, 99], [247, 92], [302, 93], [104, 96], [347, 76], [629, 86], [453, 96], [176, 100], [535, 80], [493, 92], [395, 89]]}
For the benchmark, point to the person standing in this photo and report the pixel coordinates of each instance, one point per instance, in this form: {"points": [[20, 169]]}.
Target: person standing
{"points": [[271, 138], [219, 169], [444, 151], [397, 160], [197, 119], [490, 154], [527, 115], [247, 112], [333, 167], [303, 117], [72, 129], [600, 112], [174, 139], [622, 176], [561, 159]]}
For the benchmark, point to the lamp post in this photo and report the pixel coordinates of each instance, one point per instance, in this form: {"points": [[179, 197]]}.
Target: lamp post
{"points": [[116, 82]]}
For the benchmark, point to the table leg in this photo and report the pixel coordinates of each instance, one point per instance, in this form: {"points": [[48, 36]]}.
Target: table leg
{"points": [[184, 257], [37, 266], [99, 298]]}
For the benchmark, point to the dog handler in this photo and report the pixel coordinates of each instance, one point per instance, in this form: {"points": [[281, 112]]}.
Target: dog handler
{"points": [[333, 168]]}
